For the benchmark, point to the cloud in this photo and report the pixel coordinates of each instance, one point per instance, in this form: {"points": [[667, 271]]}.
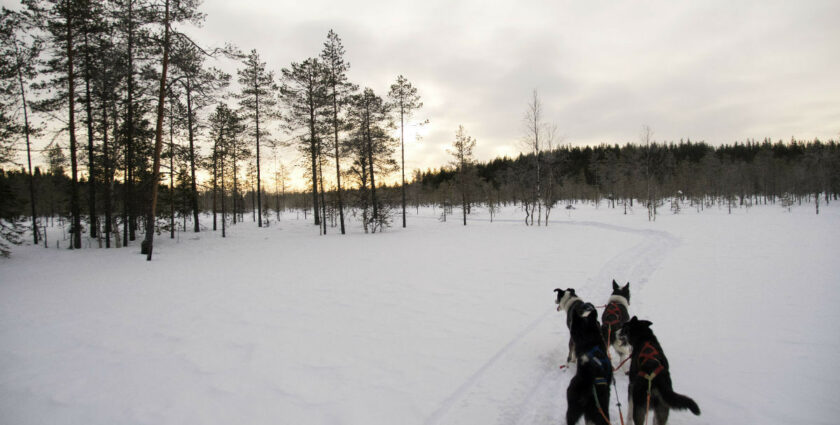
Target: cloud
{"points": [[715, 70]]}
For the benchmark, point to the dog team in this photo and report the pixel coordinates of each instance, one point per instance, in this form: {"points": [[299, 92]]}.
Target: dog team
{"points": [[588, 395]]}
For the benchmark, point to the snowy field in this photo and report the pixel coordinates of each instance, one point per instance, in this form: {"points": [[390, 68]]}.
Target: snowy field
{"points": [[430, 325]]}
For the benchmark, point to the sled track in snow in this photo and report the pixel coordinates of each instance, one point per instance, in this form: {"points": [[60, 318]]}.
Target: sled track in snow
{"points": [[543, 400], [459, 393]]}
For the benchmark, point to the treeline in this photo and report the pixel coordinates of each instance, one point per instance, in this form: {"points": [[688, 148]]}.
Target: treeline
{"points": [[129, 102], [683, 174]]}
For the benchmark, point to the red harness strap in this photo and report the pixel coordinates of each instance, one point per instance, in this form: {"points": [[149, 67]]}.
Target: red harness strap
{"points": [[612, 315], [647, 354]]}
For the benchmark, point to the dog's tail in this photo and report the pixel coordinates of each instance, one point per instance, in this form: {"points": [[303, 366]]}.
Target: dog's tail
{"points": [[678, 401]]}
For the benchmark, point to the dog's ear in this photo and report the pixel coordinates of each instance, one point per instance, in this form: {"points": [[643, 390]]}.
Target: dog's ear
{"points": [[615, 286], [558, 290], [633, 320], [627, 286], [572, 291], [645, 323]]}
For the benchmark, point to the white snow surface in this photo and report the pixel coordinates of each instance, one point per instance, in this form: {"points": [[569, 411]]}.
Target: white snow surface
{"points": [[429, 325]]}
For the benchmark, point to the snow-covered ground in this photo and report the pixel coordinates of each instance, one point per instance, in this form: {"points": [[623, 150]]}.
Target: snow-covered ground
{"points": [[430, 325]]}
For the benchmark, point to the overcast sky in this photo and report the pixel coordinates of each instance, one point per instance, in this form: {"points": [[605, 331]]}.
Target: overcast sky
{"points": [[719, 71]]}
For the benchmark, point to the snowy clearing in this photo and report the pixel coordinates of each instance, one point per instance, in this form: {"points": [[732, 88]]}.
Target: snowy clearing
{"points": [[430, 325]]}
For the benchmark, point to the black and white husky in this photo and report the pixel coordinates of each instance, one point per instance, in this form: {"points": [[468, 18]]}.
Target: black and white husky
{"points": [[574, 308], [588, 394], [616, 313], [649, 371]]}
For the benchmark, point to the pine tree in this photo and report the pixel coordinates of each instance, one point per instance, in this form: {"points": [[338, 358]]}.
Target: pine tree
{"points": [[183, 10], [304, 93], [462, 154], [152, 214], [339, 88], [371, 120], [131, 23], [61, 21], [106, 76], [201, 87], [91, 24], [258, 100], [405, 101], [174, 114], [15, 75], [225, 127]]}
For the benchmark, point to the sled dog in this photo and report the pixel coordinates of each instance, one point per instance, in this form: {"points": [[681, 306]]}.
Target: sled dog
{"points": [[588, 394], [575, 308], [614, 316], [649, 370]]}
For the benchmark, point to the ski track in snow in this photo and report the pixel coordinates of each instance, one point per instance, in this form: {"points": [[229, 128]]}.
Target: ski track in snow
{"points": [[544, 399]]}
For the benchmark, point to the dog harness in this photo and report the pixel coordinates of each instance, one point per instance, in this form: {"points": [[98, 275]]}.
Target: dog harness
{"points": [[597, 355], [649, 355], [613, 314]]}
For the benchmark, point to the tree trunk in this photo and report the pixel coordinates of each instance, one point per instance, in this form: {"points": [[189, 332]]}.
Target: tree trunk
{"points": [[125, 200], [129, 222], [402, 157], [323, 201], [313, 152], [28, 144], [235, 194], [277, 200], [337, 162], [463, 189], [363, 193], [257, 121], [193, 188], [171, 174], [464, 205], [224, 219], [817, 201], [91, 174], [150, 221], [372, 173], [71, 99], [215, 179], [106, 173]]}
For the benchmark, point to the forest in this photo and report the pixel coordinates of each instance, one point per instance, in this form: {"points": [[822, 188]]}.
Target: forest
{"points": [[130, 115]]}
